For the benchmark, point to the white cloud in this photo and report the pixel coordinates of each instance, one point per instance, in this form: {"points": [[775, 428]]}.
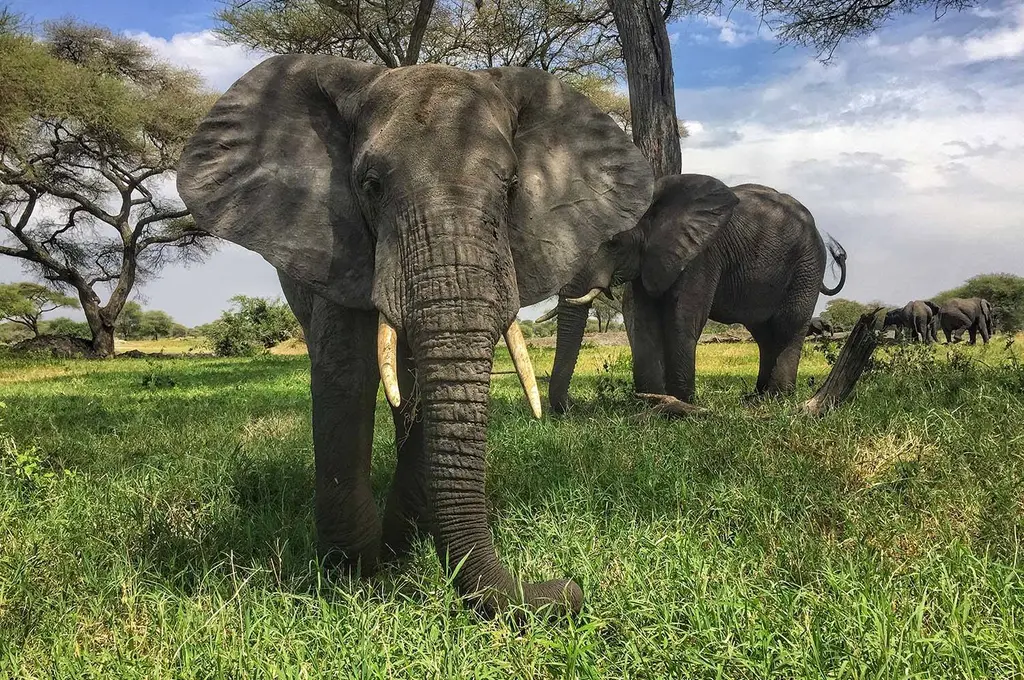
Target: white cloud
{"points": [[219, 63], [909, 153], [737, 32]]}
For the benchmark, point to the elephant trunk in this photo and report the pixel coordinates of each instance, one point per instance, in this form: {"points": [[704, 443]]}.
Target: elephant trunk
{"points": [[454, 372], [458, 297], [572, 322]]}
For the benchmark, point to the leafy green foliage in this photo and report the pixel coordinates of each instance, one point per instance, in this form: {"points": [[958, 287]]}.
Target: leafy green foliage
{"points": [[62, 325], [25, 302], [843, 314], [251, 327], [135, 323], [1004, 291]]}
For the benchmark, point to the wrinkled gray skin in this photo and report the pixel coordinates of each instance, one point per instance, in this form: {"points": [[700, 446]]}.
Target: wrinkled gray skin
{"points": [[918, 317], [820, 327], [748, 255], [441, 200], [971, 314]]}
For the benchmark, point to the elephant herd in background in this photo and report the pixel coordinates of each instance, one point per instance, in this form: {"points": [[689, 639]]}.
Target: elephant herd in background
{"points": [[412, 212], [922, 319]]}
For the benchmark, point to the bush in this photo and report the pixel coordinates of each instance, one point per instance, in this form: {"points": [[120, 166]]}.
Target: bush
{"points": [[62, 325], [251, 327]]}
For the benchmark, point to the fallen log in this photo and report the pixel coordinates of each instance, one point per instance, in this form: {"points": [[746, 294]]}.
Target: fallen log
{"points": [[852, 360]]}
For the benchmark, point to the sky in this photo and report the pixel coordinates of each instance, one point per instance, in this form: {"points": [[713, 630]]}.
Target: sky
{"points": [[906, 147]]}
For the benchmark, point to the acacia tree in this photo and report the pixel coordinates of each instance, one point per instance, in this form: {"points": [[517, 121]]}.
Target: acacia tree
{"points": [[569, 38], [24, 303], [91, 126]]}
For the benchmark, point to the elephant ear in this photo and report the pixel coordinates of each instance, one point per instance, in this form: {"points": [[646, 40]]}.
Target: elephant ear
{"points": [[581, 180], [269, 167], [687, 212], [932, 306]]}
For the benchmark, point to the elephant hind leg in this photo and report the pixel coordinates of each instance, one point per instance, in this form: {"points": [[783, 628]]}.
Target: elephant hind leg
{"points": [[779, 347]]}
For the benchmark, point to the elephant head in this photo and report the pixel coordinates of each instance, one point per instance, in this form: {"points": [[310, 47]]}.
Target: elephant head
{"points": [[445, 199], [986, 312], [894, 317], [686, 214]]}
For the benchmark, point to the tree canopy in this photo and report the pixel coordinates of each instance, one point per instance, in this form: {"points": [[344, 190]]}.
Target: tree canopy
{"points": [[24, 303], [843, 313], [91, 126]]}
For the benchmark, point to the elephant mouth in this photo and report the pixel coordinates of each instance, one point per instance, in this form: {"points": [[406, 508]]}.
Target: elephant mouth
{"points": [[387, 362]]}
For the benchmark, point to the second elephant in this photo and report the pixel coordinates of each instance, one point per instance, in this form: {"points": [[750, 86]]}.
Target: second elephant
{"points": [[746, 254], [971, 314], [918, 316]]}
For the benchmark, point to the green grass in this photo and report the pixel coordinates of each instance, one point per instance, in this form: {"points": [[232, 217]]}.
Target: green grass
{"points": [[155, 521]]}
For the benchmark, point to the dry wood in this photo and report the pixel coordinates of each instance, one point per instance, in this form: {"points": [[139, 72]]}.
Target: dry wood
{"points": [[852, 361]]}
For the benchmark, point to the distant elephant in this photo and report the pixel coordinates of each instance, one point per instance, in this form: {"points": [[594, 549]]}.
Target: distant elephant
{"points": [[819, 327], [748, 255], [971, 314], [918, 317], [411, 213]]}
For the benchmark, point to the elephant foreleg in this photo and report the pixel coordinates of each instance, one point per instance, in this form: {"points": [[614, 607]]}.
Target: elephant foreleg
{"points": [[406, 511], [343, 382], [643, 328], [684, 314]]}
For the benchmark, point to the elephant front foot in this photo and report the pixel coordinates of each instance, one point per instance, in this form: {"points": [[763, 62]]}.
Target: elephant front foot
{"points": [[555, 599], [346, 560]]}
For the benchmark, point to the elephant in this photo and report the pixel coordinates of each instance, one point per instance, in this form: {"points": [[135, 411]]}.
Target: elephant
{"points": [[746, 254], [971, 314], [411, 213], [917, 316], [819, 327]]}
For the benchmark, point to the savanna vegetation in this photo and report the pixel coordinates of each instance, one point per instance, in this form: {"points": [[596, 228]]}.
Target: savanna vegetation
{"points": [[156, 518]]}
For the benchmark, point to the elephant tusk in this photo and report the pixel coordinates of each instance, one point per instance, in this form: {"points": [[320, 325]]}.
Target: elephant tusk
{"points": [[586, 299], [387, 341], [521, 359], [547, 316]]}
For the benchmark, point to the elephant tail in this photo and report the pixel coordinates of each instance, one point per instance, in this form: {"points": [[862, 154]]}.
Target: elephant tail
{"points": [[838, 254]]}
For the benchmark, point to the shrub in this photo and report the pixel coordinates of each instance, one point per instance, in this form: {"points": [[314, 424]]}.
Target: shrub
{"points": [[251, 327]]}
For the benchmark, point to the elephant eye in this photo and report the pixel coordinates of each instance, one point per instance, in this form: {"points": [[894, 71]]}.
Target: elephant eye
{"points": [[370, 184]]}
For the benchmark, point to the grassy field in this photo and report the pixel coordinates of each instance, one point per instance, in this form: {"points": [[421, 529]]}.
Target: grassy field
{"points": [[155, 521]]}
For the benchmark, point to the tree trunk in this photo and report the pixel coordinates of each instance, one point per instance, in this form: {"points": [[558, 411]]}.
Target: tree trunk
{"points": [[852, 361], [648, 57]]}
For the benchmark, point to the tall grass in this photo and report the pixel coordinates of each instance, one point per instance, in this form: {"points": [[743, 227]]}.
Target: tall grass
{"points": [[156, 521]]}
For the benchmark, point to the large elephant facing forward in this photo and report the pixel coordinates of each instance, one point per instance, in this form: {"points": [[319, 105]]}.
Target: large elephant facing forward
{"points": [[918, 317], [411, 213], [971, 314], [748, 255]]}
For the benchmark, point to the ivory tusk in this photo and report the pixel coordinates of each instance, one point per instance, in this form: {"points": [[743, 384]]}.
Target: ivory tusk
{"points": [[586, 299], [387, 361], [521, 359], [547, 316]]}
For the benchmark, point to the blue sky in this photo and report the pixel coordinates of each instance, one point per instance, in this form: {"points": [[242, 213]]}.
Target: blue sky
{"points": [[906, 147]]}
